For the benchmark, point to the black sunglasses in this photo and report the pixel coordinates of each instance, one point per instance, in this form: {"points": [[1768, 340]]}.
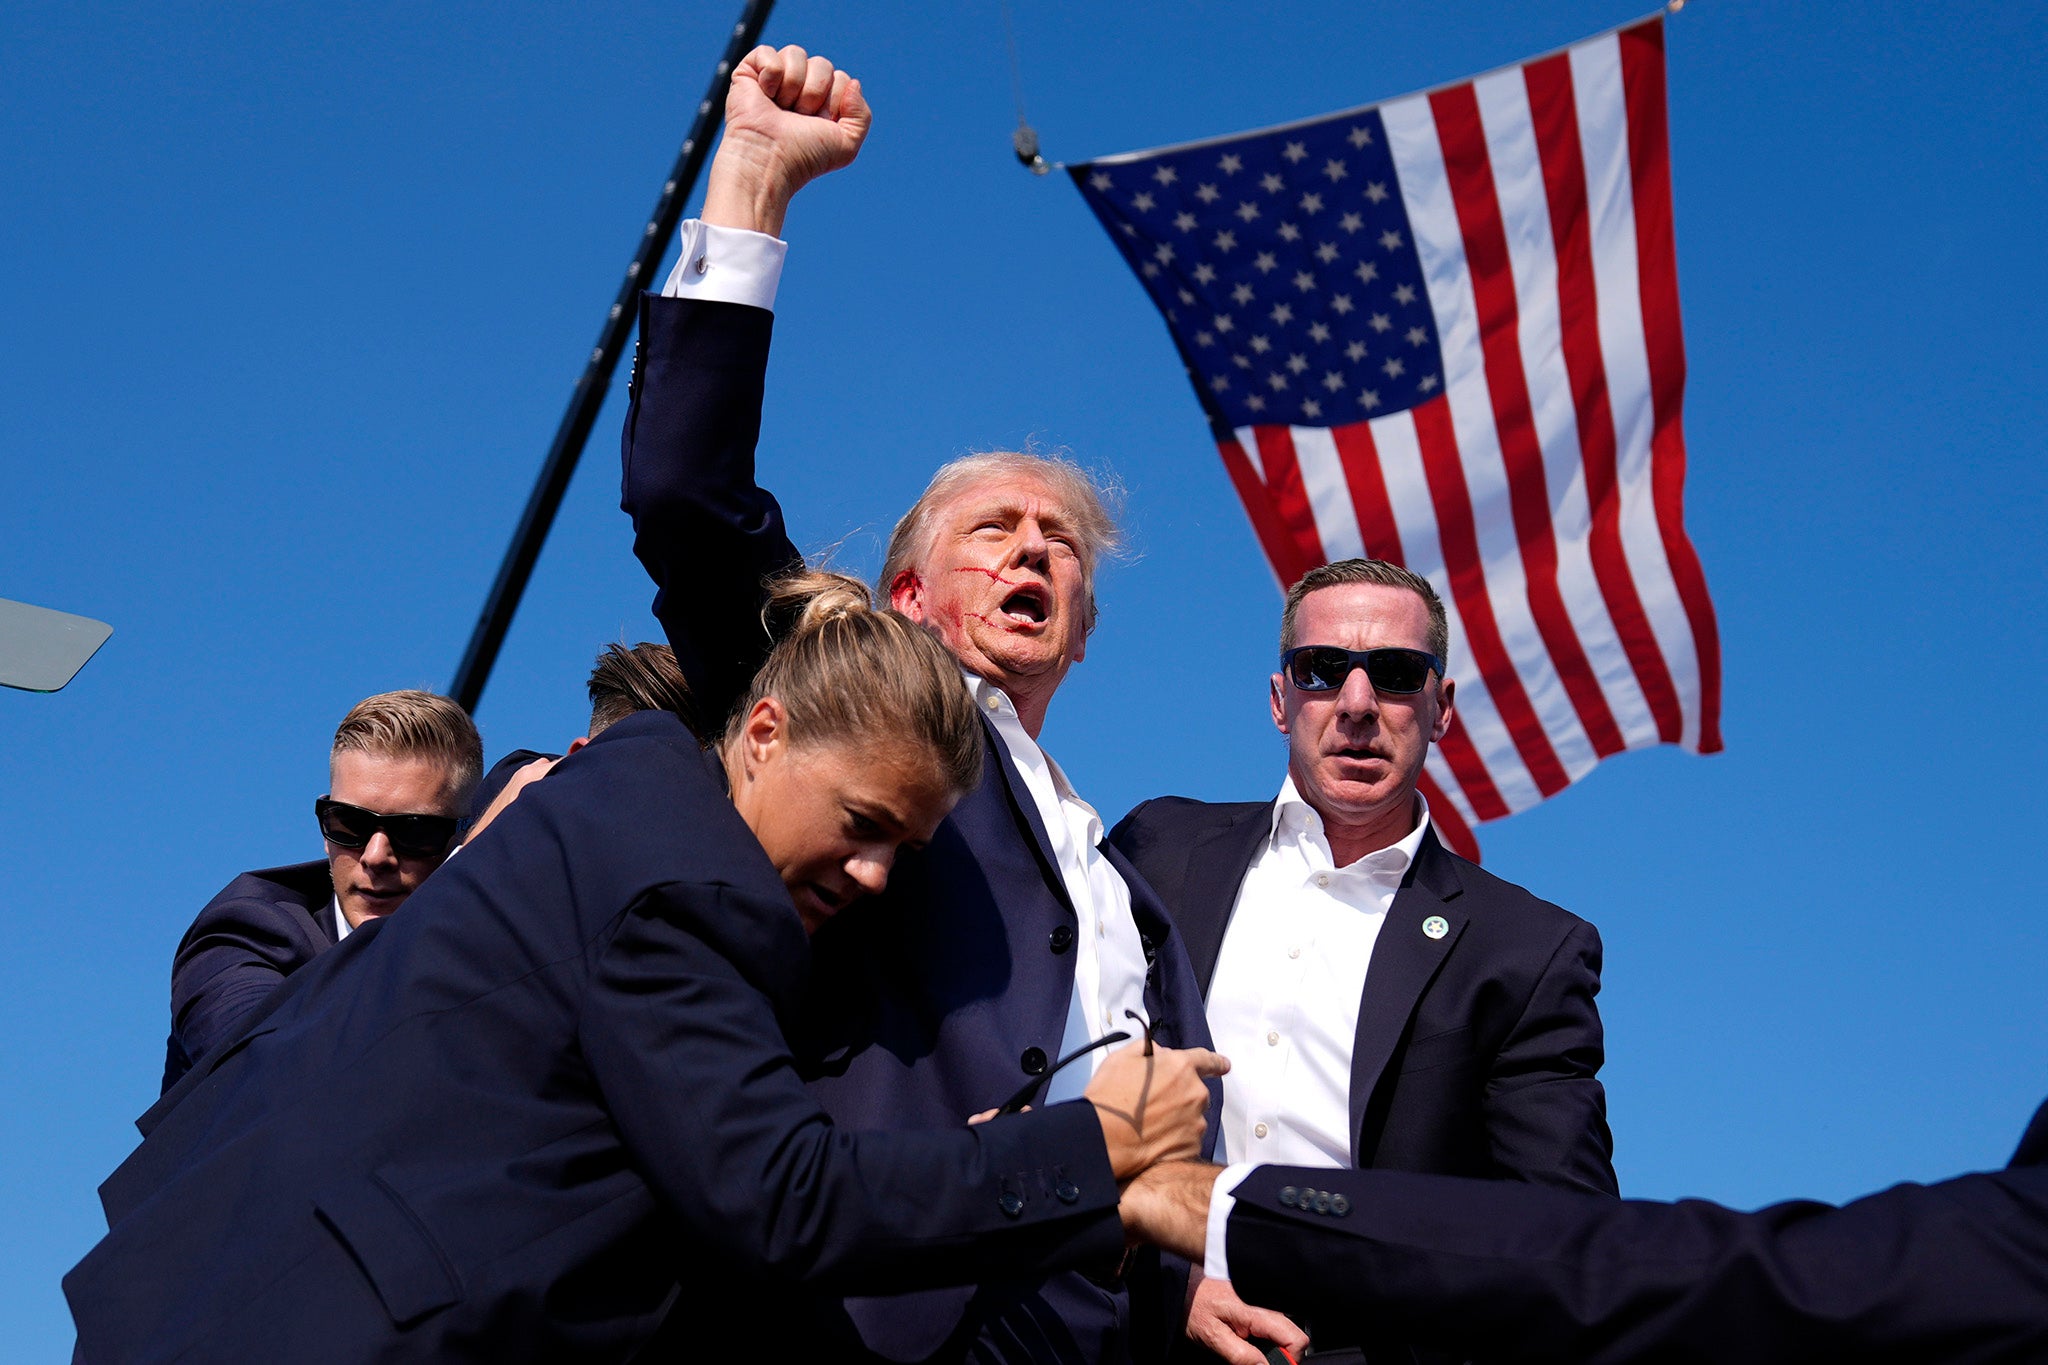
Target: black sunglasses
{"points": [[411, 836], [1396, 672], [1015, 1104]]}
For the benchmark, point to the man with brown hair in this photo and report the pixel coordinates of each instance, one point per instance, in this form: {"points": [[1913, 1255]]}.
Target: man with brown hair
{"points": [[401, 772], [1388, 1005]]}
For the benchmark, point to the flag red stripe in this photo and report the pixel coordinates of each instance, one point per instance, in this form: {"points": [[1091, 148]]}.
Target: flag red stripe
{"points": [[1290, 498], [1556, 120], [1368, 484], [1450, 826], [1459, 537], [1469, 169], [1469, 767], [1274, 539], [1642, 67]]}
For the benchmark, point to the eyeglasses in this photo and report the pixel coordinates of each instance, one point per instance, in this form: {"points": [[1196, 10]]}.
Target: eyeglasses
{"points": [[411, 836], [1016, 1103], [1396, 672]]}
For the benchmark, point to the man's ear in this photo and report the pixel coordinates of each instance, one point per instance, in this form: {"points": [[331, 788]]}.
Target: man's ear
{"points": [[1277, 700], [576, 744], [1443, 712], [906, 595]]}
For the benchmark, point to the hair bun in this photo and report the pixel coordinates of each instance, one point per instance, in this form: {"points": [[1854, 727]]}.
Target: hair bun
{"points": [[810, 599]]}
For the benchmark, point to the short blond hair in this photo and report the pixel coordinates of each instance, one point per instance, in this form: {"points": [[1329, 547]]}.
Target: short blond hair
{"points": [[414, 724], [1089, 503]]}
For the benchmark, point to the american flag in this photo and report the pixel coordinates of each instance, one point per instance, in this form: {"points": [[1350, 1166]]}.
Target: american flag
{"points": [[1444, 331]]}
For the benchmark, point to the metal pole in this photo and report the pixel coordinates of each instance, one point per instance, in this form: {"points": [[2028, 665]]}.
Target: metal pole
{"points": [[589, 394]]}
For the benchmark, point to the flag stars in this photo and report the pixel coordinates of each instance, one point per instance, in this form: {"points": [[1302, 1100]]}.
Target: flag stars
{"points": [[1311, 408], [1184, 220], [1377, 192], [1241, 295], [1205, 273], [1271, 183], [1239, 360], [1277, 382], [1367, 272], [1341, 303], [1296, 364], [1247, 210], [1282, 315], [1295, 152], [1311, 203], [1255, 403], [1417, 337], [1150, 270], [1186, 297], [1260, 345], [1318, 333], [1391, 239], [1304, 281], [1165, 175], [1404, 293], [1428, 384], [1205, 338], [1351, 222], [1231, 163], [1336, 170], [1226, 240], [1142, 201], [1355, 352], [1360, 136], [1220, 383], [1394, 368], [1368, 399], [1289, 233], [1333, 381], [1265, 262], [1208, 194], [1099, 181], [1380, 322], [1224, 322], [1130, 230], [1327, 252], [1163, 253]]}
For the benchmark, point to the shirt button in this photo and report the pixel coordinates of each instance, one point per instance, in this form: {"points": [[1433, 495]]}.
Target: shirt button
{"points": [[1322, 879], [1062, 939], [995, 704], [1272, 1040], [1294, 952], [1101, 929], [1033, 1061], [1258, 1130]]}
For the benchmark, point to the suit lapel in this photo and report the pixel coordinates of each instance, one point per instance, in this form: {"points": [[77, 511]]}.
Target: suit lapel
{"points": [[1026, 806], [1405, 959], [1217, 863]]}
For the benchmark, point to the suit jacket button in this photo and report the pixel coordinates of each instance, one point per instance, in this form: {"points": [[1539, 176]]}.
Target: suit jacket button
{"points": [[1339, 1205], [1068, 1191], [1062, 939], [1322, 1201], [1033, 1061], [1288, 1194], [1011, 1203]]}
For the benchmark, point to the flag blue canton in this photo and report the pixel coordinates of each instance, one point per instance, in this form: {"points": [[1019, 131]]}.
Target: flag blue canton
{"points": [[1284, 265]]}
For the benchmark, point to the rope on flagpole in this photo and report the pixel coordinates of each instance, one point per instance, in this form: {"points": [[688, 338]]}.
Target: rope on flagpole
{"points": [[1025, 140]]}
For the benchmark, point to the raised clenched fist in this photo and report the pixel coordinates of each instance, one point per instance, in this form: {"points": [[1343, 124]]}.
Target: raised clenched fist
{"points": [[789, 118]]}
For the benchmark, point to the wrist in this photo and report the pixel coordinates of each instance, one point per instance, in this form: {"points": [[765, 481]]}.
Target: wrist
{"points": [[746, 190]]}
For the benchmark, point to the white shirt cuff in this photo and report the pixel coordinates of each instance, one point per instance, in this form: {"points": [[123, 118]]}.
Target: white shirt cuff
{"points": [[1222, 1199], [726, 265]]}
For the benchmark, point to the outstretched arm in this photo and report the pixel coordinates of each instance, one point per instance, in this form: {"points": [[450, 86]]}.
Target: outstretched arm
{"points": [[706, 532]]}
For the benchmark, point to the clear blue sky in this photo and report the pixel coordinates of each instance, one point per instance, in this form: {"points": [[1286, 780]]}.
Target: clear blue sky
{"points": [[293, 298]]}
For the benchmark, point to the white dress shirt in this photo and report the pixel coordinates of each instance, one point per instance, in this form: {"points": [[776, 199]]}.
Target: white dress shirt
{"points": [[342, 928], [1109, 958], [1283, 1002], [726, 265]]}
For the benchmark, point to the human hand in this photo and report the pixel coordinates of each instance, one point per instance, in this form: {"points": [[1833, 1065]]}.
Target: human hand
{"points": [[789, 118], [1152, 1103], [1221, 1321], [1168, 1206], [526, 776]]}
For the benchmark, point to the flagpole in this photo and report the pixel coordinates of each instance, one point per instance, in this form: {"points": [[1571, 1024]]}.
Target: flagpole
{"points": [[589, 394]]}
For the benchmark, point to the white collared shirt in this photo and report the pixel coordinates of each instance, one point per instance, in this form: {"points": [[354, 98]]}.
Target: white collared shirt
{"points": [[726, 265], [1109, 958], [342, 928], [1284, 999]]}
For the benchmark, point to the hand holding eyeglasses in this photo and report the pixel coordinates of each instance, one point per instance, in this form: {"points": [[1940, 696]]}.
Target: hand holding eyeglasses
{"points": [[1152, 1103]]}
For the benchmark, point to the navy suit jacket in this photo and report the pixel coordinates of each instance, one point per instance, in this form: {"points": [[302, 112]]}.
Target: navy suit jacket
{"points": [[1477, 1053], [940, 997], [1956, 1271], [507, 1125], [260, 929]]}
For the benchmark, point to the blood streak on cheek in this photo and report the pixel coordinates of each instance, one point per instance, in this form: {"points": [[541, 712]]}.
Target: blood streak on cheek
{"points": [[993, 576]]}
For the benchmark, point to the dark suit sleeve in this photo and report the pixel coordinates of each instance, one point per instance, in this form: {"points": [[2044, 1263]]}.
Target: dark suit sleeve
{"points": [[705, 1095], [1511, 1272], [1546, 1111], [232, 958], [707, 534]]}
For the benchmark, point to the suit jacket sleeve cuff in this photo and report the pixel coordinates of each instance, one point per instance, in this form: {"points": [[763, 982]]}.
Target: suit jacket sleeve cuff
{"points": [[726, 265], [1222, 1199]]}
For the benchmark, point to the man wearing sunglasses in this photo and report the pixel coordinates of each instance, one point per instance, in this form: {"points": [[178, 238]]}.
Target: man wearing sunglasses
{"points": [[400, 775], [1385, 1004]]}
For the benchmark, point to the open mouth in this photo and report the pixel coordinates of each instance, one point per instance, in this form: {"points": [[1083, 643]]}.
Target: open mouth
{"points": [[1029, 604], [1359, 754]]}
